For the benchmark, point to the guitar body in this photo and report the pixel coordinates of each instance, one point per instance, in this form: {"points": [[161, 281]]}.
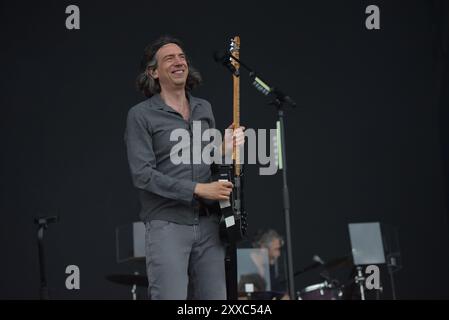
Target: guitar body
{"points": [[233, 222]]}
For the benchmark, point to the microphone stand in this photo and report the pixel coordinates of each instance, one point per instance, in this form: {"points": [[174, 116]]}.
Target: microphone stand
{"points": [[43, 225], [279, 102], [286, 198]]}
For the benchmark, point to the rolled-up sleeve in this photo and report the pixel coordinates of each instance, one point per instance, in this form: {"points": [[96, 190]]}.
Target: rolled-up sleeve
{"points": [[142, 163]]}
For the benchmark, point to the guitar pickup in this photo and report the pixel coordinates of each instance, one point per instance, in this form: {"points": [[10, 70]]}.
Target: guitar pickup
{"points": [[229, 221]]}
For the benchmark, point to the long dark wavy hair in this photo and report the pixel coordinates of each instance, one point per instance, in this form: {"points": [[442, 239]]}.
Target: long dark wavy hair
{"points": [[150, 86]]}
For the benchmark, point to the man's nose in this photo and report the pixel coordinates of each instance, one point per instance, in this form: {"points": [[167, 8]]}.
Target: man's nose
{"points": [[179, 61]]}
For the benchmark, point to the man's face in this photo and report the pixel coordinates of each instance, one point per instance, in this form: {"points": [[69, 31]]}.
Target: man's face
{"points": [[274, 250], [172, 69]]}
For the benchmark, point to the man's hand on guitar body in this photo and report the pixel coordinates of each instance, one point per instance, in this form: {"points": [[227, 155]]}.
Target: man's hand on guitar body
{"points": [[218, 190]]}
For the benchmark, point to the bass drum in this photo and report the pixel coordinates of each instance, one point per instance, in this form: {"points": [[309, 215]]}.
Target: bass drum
{"points": [[320, 291]]}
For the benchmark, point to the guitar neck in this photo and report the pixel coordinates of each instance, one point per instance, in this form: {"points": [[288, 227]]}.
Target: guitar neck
{"points": [[236, 104], [236, 113], [236, 117]]}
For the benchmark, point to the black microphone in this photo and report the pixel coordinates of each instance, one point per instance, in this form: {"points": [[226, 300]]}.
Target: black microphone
{"points": [[225, 60]]}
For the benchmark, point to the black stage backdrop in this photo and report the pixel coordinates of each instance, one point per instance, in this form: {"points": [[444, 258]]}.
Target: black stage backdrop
{"points": [[368, 141]]}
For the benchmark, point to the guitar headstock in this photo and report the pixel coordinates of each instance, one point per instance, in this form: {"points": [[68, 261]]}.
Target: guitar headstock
{"points": [[234, 50]]}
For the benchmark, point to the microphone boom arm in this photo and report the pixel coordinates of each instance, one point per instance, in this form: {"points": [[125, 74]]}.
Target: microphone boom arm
{"points": [[258, 83]]}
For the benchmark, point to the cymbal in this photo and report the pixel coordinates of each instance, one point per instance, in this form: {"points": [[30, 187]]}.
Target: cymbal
{"points": [[128, 279], [332, 264], [338, 262]]}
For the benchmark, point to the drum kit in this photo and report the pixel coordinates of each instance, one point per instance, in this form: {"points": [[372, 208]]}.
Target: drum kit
{"points": [[329, 289], [131, 250]]}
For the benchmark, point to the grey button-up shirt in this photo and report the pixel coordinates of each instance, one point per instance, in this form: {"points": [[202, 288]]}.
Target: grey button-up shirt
{"points": [[165, 189]]}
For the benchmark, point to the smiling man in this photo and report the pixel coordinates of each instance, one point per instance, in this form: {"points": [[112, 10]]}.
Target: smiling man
{"points": [[184, 254]]}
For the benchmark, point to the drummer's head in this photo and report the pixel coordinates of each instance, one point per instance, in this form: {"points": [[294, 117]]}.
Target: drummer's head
{"points": [[272, 241]]}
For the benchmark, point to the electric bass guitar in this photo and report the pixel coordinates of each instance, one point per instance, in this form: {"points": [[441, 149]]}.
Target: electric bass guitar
{"points": [[233, 220]]}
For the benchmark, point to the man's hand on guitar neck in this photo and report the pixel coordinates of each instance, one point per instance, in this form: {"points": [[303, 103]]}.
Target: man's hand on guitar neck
{"points": [[233, 137], [218, 190]]}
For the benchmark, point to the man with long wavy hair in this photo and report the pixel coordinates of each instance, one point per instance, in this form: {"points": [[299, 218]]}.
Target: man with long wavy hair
{"points": [[184, 253]]}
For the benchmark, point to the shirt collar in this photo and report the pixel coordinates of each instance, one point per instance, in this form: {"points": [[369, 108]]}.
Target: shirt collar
{"points": [[156, 100]]}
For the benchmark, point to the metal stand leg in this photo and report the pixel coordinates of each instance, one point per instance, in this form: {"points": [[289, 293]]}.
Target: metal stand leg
{"points": [[134, 287], [360, 280]]}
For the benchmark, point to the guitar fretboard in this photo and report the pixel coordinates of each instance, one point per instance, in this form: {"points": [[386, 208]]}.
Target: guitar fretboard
{"points": [[236, 103]]}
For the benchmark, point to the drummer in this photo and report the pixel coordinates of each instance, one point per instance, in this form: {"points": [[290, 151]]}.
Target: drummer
{"points": [[273, 242]]}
